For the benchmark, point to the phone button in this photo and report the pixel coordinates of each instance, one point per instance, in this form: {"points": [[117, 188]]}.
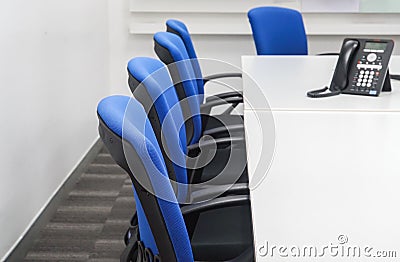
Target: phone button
{"points": [[372, 92], [372, 57]]}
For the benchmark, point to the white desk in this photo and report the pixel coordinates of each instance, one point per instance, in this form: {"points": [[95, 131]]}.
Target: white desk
{"points": [[335, 168]]}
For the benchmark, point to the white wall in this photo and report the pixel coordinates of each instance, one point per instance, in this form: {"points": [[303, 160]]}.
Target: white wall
{"points": [[124, 45], [53, 71]]}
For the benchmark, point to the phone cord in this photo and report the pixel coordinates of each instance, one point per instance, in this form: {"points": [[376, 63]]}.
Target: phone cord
{"points": [[320, 93]]}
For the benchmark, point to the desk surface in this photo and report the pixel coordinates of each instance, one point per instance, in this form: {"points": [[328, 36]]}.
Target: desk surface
{"points": [[285, 80], [335, 175]]}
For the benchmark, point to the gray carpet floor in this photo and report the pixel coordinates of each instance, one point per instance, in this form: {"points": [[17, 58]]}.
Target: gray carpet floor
{"points": [[90, 223]]}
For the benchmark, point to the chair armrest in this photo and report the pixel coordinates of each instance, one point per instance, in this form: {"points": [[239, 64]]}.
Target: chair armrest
{"points": [[209, 192], [223, 129], [220, 202], [220, 142], [224, 96], [222, 75], [206, 108], [194, 171]]}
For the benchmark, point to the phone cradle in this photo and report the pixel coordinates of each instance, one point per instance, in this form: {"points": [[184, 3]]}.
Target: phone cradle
{"points": [[387, 85]]}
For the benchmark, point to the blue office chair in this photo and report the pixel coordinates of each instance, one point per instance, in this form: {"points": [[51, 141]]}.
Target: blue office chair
{"points": [[158, 96], [278, 31], [171, 50], [179, 28], [162, 232], [155, 91]]}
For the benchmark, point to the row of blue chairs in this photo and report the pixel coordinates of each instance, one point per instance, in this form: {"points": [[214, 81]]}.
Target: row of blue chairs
{"points": [[188, 166]]}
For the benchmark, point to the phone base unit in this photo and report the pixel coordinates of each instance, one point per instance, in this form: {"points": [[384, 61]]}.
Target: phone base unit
{"points": [[368, 74], [361, 69]]}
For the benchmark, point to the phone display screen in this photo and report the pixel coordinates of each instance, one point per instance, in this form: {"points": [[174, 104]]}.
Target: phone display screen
{"points": [[376, 45]]}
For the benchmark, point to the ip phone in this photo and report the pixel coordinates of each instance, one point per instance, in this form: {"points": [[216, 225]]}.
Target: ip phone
{"points": [[361, 69]]}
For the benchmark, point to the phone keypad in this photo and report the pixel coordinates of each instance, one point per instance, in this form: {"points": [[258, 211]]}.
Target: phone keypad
{"points": [[367, 75]]}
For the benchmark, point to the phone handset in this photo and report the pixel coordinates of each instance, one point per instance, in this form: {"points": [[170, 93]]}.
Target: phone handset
{"points": [[340, 76]]}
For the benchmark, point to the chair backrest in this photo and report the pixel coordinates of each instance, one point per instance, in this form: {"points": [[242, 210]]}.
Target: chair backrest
{"points": [[157, 95], [179, 28], [278, 31], [127, 133], [171, 50]]}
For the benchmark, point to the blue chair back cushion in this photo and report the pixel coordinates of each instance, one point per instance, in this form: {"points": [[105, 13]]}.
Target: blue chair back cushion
{"points": [[154, 76], [134, 126], [177, 50], [179, 28], [278, 31]]}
